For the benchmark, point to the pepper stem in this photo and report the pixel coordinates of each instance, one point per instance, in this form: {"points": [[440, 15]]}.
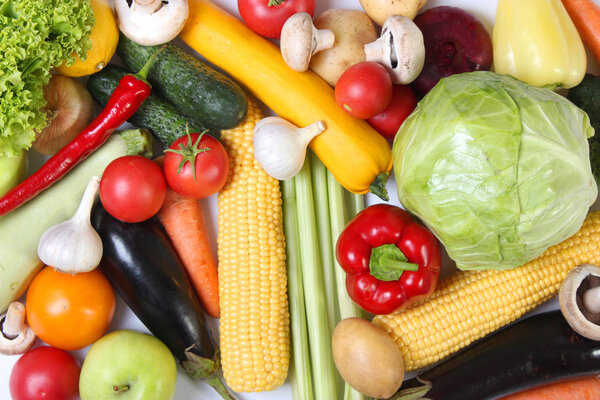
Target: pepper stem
{"points": [[378, 186], [143, 73], [388, 262]]}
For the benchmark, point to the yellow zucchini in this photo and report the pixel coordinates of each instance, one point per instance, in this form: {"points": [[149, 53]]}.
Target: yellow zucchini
{"points": [[358, 157]]}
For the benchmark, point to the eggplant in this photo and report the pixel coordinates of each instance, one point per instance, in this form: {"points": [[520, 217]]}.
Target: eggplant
{"points": [[528, 353], [144, 269]]}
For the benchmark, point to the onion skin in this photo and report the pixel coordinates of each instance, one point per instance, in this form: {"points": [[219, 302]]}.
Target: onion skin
{"points": [[70, 108]]}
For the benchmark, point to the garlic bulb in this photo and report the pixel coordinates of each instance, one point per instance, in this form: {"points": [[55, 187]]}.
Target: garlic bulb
{"points": [[280, 146], [74, 246]]}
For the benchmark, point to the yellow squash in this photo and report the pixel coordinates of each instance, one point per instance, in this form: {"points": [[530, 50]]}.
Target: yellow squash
{"points": [[358, 157]]}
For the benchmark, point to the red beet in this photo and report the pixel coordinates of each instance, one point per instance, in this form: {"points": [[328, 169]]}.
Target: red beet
{"points": [[455, 42]]}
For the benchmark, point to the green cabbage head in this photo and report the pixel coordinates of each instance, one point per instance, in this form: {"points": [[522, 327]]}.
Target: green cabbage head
{"points": [[497, 169]]}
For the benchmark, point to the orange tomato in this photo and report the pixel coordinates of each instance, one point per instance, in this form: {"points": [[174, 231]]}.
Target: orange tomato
{"points": [[69, 311]]}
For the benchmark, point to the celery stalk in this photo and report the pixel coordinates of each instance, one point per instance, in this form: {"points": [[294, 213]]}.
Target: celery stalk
{"points": [[300, 376]]}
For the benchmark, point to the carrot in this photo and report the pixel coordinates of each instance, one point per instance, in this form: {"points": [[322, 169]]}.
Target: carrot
{"points": [[585, 14], [584, 388], [184, 223]]}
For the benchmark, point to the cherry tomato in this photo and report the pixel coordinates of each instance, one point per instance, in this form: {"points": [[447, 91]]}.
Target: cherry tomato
{"points": [[364, 89], [266, 17], [132, 188], [196, 165], [45, 373], [69, 311], [403, 103]]}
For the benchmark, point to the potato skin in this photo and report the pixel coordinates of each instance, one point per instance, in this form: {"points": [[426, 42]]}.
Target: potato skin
{"points": [[352, 29], [380, 10], [367, 358]]}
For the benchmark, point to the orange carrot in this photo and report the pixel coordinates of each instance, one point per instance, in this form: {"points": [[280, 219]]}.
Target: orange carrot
{"points": [[584, 388], [184, 223], [585, 14]]}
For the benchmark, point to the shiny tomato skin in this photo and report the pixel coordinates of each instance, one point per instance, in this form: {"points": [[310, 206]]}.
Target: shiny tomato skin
{"points": [[132, 188], [364, 89], [268, 20], [211, 167], [45, 373], [403, 103], [69, 311]]}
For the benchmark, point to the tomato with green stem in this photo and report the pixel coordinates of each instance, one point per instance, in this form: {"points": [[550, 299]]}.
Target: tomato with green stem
{"points": [[266, 17]]}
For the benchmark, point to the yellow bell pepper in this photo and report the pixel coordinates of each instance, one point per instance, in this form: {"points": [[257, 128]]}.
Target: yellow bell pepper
{"points": [[536, 41]]}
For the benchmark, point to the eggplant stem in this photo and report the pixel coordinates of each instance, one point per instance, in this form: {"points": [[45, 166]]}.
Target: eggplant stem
{"points": [[202, 368]]}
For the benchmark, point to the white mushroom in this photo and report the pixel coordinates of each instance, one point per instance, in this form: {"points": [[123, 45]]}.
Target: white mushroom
{"points": [[579, 299], [151, 22], [15, 336], [300, 40], [400, 48]]}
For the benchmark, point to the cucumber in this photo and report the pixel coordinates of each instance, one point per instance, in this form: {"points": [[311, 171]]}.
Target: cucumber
{"points": [[155, 114], [194, 88]]}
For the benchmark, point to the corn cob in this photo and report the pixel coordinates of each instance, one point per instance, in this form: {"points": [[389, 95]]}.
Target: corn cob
{"points": [[470, 304], [254, 323]]}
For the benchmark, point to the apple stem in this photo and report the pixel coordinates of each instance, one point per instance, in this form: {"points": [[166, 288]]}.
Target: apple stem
{"points": [[121, 388]]}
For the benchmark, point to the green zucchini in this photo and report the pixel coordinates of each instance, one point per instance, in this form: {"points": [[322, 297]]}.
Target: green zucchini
{"points": [[194, 88], [155, 114]]}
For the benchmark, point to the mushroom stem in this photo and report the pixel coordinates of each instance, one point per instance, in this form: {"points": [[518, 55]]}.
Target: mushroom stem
{"points": [[324, 39], [591, 300], [14, 324]]}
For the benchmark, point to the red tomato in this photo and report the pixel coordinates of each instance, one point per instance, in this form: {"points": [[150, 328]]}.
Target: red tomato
{"points": [[266, 17], [45, 373], [132, 188], [364, 89], [403, 103], [196, 168]]}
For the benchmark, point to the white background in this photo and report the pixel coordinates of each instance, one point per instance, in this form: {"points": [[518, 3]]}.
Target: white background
{"points": [[125, 319]]}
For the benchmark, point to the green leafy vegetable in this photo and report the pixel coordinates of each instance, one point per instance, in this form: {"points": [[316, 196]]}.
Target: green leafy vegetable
{"points": [[498, 169], [36, 35]]}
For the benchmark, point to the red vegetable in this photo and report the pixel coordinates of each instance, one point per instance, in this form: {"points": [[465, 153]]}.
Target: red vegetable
{"points": [[123, 103], [583, 388], [266, 17], [586, 17], [390, 260], [402, 104]]}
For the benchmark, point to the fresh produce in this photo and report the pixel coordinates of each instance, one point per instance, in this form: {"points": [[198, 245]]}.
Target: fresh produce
{"points": [[70, 108], [583, 388], [380, 10], [364, 90], [531, 352], [104, 37], [280, 146], [12, 171], [367, 358], [266, 17], [390, 260], [155, 114], [217, 35], [124, 101], [537, 43], [16, 337], [579, 300], [455, 42], [300, 40], [128, 365], [400, 48], [143, 267], [196, 165], [252, 272], [151, 22], [495, 168], [21, 230], [585, 14], [195, 89], [401, 105], [132, 188], [470, 304], [352, 29], [29, 51], [183, 220], [73, 246], [47, 372], [70, 311]]}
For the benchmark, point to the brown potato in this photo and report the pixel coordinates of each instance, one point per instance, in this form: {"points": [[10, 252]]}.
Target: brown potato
{"points": [[352, 29], [367, 358], [379, 10]]}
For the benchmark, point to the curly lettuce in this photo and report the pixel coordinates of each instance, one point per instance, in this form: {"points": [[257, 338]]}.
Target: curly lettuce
{"points": [[35, 36]]}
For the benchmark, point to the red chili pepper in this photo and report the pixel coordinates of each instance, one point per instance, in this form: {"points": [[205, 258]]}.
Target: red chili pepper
{"points": [[123, 103], [390, 260]]}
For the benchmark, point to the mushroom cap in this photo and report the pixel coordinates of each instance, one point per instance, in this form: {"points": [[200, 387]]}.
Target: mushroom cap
{"points": [[297, 41], [569, 305]]}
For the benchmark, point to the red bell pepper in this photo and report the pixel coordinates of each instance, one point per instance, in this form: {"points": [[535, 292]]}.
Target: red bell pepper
{"points": [[390, 260]]}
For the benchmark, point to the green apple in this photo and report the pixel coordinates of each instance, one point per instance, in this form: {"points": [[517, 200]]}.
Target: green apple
{"points": [[128, 365]]}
